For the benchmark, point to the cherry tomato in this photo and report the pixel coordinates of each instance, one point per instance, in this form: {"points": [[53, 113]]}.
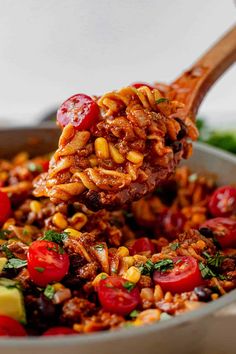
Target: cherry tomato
{"points": [[45, 165], [11, 328], [143, 244], [184, 276], [224, 230], [79, 110], [116, 295], [223, 201], [173, 223], [5, 207], [47, 262], [140, 84], [57, 331]]}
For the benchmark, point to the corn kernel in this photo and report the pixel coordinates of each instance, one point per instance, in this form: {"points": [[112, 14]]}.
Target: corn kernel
{"points": [[215, 296], [93, 160], [3, 176], [3, 261], [122, 251], [73, 232], [8, 223], [146, 294], [58, 286], [115, 154], [78, 220], [148, 316], [168, 296], [135, 157], [78, 327], [129, 260], [59, 220], [158, 293], [35, 206], [133, 274], [98, 278], [101, 148]]}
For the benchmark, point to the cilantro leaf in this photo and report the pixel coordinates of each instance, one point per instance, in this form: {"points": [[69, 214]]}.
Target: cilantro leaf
{"points": [[134, 313], [15, 263], [174, 246], [129, 286], [162, 99], [57, 237], [7, 252], [39, 269], [164, 265], [99, 247], [49, 291], [4, 234]]}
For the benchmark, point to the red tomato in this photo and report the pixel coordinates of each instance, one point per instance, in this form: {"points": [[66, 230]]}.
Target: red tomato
{"points": [[59, 331], [140, 84], [223, 201], [173, 223], [115, 295], [143, 244], [224, 230], [79, 110], [47, 262], [184, 276], [45, 165], [5, 207], [11, 328]]}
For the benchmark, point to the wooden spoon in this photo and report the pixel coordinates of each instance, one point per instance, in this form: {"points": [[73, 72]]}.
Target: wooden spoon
{"points": [[193, 85]]}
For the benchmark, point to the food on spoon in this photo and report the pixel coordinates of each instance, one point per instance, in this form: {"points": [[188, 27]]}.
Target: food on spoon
{"points": [[116, 148]]}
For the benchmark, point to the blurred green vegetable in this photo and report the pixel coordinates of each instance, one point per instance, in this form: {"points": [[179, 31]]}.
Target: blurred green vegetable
{"points": [[223, 139]]}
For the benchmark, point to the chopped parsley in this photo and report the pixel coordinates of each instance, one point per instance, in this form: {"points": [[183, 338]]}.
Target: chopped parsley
{"points": [[134, 313], [212, 267], [4, 234], [57, 237], [129, 286], [99, 247], [7, 252], [103, 276], [174, 246], [33, 167], [49, 291], [162, 99], [164, 265], [39, 269], [15, 263]]}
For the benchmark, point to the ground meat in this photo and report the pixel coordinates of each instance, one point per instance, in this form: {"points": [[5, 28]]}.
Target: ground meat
{"points": [[75, 309], [18, 249]]}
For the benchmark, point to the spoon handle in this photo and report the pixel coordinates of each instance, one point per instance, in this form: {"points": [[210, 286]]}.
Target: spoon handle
{"points": [[192, 86]]}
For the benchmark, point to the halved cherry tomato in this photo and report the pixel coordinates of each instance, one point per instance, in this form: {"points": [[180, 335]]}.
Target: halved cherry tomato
{"points": [[142, 244], [173, 223], [116, 296], [223, 201], [59, 331], [79, 110], [224, 230], [47, 262], [45, 165], [5, 207], [140, 84], [11, 328], [184, 276]]}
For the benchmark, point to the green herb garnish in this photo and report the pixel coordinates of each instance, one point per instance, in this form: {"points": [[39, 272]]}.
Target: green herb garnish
{"points": [[174, 246], [7, 252], [33, 167], [164, 265], [15, 263], [162, 99], [4, 234], [39, 269], [212, 266], [99, 247], [134, 313], [147, 268], [129, 286], [49, 291], [57, 237]]}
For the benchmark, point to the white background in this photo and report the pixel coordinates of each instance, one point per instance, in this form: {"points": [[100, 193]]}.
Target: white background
{"points": [[51, 49]]}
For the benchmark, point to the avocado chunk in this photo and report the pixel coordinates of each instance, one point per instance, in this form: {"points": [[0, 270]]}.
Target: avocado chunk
{"points": [[11, 300], [3, 262]]}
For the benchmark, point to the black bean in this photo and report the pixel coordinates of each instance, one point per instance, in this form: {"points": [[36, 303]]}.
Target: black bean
{"points": [[203, 293], [183, 129], [205, 231], [177, 146]]}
